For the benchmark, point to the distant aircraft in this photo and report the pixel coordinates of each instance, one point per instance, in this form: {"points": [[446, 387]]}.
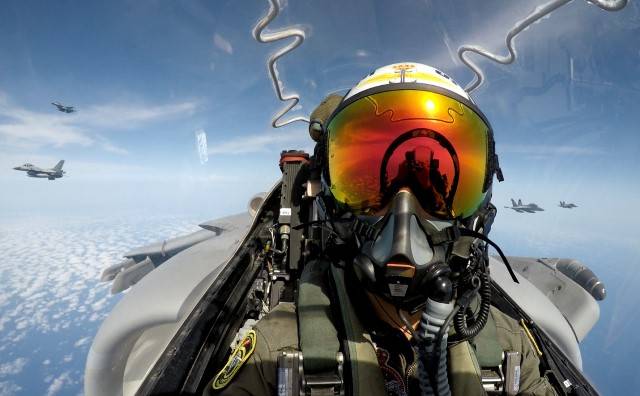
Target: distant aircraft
{"points": [[567, 205], [63, 108], [51, 174], [520, 208]]}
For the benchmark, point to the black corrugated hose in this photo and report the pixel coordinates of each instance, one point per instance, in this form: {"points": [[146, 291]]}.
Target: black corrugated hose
{"points": [[470, 328]]}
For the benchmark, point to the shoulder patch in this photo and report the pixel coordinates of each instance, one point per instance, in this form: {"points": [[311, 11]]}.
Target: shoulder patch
{"points": [[237, 359]]}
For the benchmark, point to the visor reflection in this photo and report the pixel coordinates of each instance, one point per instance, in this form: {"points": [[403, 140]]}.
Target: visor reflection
{"points": [[428, 142]]}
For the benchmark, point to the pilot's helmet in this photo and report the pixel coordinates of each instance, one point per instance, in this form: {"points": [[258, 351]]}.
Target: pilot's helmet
{"points": [[408, 153], [407, 126]]}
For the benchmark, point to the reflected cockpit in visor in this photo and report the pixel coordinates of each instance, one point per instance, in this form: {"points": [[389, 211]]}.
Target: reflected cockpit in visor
{"points": [[433, 144]]}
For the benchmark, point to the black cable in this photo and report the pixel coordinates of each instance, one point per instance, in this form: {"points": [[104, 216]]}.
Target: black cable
{"points": [[470, 233], [406, 322]]}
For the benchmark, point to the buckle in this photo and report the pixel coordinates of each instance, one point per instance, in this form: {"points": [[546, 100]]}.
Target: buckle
{"points": [[293, 382], [330, 384], [504, 379], [493, 380]]}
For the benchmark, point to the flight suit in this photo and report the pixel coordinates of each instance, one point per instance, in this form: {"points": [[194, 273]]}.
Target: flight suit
{"points": [[278, 331]]}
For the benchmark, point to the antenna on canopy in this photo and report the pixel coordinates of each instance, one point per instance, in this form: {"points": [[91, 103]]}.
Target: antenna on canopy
{"points": [[268, 37], [536, 14]]}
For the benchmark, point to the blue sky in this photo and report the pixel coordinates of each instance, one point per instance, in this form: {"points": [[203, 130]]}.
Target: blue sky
{"points": [[145, 76]]}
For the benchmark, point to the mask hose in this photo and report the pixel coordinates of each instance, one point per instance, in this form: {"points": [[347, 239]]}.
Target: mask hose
{"points": [[464, 329], [432, 367]]}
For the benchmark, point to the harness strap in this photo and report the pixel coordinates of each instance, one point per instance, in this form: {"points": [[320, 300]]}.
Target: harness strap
{"points": [[366, 376], [318, 335], [464, 371], [488, 349]]}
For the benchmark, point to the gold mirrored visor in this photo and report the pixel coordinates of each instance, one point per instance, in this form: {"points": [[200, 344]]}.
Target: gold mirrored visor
{"points": [[433, 144]]}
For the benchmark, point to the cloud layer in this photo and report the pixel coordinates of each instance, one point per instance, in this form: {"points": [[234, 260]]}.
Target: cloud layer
{"points": [[51, 303]]}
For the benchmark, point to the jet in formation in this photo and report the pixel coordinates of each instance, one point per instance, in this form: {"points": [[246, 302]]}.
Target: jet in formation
{"points": [[567, 205], [33, 171], [521, 208], [63, 108]]}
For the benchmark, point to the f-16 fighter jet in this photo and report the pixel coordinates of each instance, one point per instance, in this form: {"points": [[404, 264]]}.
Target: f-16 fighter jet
{"points": [[63, 108], [51, 174], [567, 205], [521, 208]]}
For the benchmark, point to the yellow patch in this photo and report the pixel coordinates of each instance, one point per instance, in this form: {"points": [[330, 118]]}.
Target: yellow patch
{"points": [[237, 359]]}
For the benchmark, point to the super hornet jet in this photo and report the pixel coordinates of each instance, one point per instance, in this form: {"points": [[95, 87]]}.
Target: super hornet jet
{"points": [[33, 171], [63, 108], [567, 205], [521, 208]]}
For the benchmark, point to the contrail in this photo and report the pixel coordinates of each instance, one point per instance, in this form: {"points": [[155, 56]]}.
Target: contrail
{"points": [[537, 14], [298, 36]]}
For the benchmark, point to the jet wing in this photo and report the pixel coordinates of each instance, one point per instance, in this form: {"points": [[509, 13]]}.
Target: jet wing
{"points": [[136, 333]]}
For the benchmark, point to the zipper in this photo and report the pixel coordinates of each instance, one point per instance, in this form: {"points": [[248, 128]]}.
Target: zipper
{"points": [[411, 368]]}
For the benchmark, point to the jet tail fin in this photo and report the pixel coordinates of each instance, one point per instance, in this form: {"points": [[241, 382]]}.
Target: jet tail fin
{"points": [[59, 165], [519, 202], [513, 202]]}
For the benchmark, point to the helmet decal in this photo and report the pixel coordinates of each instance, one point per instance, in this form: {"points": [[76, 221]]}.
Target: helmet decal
{"points": [[408, 72]]}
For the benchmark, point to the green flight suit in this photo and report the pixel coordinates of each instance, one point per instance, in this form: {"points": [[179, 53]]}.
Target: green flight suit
{"points": [[278, 331]]}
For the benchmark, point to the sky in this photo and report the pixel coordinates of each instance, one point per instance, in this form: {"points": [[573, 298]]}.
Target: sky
{"points": [[146, 77]]}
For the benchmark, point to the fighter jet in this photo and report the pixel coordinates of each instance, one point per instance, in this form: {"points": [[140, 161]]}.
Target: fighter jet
{"points": [[63, 108], [33, 171], [521, 208], [567, 205]]}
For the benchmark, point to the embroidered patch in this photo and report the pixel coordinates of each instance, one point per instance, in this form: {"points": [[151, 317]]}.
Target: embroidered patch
{"points": [[394, 384], [237, 359]]}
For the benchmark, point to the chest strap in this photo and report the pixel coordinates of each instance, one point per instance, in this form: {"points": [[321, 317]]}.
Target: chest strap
{"points": [[488, 348], [500, 369], [322, 361], [366, 376]]}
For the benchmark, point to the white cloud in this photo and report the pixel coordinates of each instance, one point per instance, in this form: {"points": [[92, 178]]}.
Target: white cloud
{"points": [[114, 149], [266, 142], [129, 115], [12, 368], [548, 150], [23, 128], [222, 44], [82, 341], [9, 388], [58, 383]]}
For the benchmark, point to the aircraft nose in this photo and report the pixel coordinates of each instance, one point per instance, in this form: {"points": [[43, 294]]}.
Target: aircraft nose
{"points": [[17, 168]]}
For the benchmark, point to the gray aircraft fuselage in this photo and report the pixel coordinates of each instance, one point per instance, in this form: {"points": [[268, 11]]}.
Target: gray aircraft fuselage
{"points": [[33, 171], [63, 108], [567, 205], [521, 208]]}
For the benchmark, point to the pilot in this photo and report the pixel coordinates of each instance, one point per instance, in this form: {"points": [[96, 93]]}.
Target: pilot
{"points": [[399, 300]]}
